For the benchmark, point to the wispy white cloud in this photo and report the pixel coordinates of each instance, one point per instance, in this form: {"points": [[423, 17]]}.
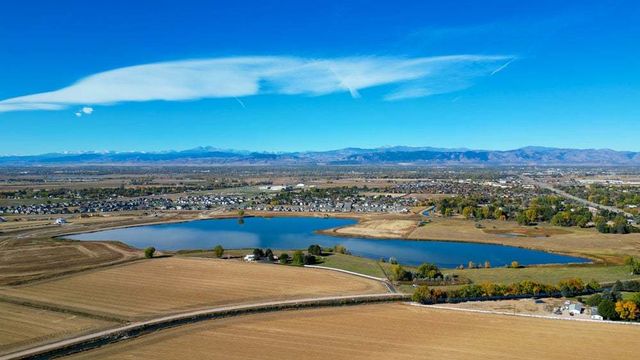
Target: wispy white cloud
{"points": [[236, 77]]}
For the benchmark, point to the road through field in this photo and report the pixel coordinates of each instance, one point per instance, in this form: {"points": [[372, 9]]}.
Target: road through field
{"points": [[139, 328]]}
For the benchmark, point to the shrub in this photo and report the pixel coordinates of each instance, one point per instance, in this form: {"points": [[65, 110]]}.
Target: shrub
{"points": [[149, 252], [314, 250], [424, 295], [340, 249], [398, 273], [298, 258], [284, 258], [633, 264], [218, 251], [309, 259], [240, 213], [514, 265], [393, 261], [635, 298], [593, 286]]}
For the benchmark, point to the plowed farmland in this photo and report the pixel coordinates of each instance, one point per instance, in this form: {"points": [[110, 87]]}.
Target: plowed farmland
{"points": [[22, 325], [158, 286], [387, 331]]}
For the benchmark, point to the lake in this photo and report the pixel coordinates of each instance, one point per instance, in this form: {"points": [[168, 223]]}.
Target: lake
{"points": [[298, 233]]}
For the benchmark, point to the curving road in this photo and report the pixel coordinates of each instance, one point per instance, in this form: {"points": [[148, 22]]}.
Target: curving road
{"points": [[90, 341]]}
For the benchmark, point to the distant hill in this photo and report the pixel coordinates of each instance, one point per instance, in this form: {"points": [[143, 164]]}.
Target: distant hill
{"points": [[348, 156]]}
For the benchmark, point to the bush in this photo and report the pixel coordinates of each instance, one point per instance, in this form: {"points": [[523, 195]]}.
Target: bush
{"points": [[594, 300], [315, 250], [424, 295], [284, 258], [340, 249], [514, 265], [298, 258], [148, 252], [218, 251], [309, 259], [633, 264], [398, 273], [393, 261]]}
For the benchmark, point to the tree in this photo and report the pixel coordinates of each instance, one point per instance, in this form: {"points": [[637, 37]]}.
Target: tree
{"points": [[421, 295], [627, 310], [298, 258], [398, 273], [309, 259], [149, 252], [218, 251], [269, 254], [607, 309], [240, 213], [633, 264], [314, 249], [467, 212], [514, 265], [284, 258], [487, 264], [340, 249], [428, 271], [258, 253]]}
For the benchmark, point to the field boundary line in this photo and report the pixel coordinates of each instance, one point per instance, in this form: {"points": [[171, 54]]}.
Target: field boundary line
{"points": [[384, 281], [101, 338], [526, 315], [56, 308]]}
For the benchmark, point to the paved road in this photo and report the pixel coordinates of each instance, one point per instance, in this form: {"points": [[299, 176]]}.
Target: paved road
{"points": [[100, 338], [574, 198]]}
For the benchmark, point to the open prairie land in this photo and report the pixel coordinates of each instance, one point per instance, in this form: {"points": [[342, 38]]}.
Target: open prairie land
{"points": [[389, 228], [169, 285], [24, 326], [384, 331]]}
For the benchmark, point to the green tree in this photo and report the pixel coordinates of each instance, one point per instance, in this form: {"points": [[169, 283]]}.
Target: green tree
{"points": [[314, 249], [398, 273], [269, 254], [607, 309], [428, 271], [218, 251], [149, 252], [258, 253], [309, 259], [298, 258], [284, 258], [240, 213]]}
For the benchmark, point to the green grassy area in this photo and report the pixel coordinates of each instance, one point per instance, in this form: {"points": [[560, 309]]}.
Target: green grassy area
{"points": [[353, 263], [547, 274]]}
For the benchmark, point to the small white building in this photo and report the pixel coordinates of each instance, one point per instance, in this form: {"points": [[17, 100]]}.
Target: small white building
{"points": [[249, 257], [594, 314], [575, 309], [60, 221]]}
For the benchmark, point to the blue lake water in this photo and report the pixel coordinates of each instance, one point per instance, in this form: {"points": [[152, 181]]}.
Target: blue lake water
{"points": [[298, 233]]}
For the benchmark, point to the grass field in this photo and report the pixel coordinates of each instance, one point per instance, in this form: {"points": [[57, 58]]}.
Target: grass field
{"points": [[389, 228], [152, 287], [25, 326], [385, 331], [547, 274], [353, 263]]}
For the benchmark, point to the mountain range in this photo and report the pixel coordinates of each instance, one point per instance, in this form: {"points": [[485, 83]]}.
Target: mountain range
{"points": [[398, 155]]}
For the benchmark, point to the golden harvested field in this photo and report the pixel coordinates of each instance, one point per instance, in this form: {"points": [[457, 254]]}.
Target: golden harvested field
{"points": [[389, 228], [383, 331], [168, 285], [24, 260], [23, 326]]}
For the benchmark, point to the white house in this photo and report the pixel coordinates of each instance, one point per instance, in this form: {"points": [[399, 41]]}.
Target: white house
{"points": [[250, 257], [594, 314], [60, 221]]}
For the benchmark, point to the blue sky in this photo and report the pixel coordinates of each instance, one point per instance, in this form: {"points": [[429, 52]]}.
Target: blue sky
{"points": [[292, 75]]}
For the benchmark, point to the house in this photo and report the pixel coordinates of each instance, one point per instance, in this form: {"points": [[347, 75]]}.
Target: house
{"points": [[60, 221], [594, 314], [575, 309], [250, 257], [2, 219]]}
